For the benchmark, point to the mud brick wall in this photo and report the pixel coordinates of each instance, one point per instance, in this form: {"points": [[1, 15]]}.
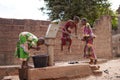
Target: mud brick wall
{"points": [[9, 33], [10, 29], [103, 42]]}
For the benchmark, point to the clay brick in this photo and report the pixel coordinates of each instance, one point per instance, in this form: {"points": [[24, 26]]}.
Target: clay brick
{"points": [[6, 28], [15, 28], [7, 48], [9, 58], [2, 59], [44, 22], [21, 27], [32, 23], [7, 41], [5, 35], [18, 22], [6, 21], [43, 28]]}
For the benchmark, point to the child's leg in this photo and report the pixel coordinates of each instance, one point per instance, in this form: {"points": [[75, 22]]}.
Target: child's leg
{"points": [[93, 55], [95, 61], [69, 45], [25, 63], [85, 51]]}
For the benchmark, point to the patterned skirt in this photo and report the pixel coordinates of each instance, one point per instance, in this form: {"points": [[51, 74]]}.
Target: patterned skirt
{"points": [[89, 49], [20, 53]]}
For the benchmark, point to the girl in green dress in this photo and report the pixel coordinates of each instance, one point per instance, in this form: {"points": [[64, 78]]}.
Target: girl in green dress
{"points": [[27, 41]]}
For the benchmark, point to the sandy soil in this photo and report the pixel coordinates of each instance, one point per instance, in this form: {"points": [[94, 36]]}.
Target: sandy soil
{"points": [[110, 69]]}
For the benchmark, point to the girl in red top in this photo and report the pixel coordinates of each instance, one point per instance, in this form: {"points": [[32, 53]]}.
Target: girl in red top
{"points": [[66, 32]]}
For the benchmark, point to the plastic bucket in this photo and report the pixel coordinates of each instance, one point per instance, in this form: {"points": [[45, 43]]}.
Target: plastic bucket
{"points": [[40, 61]]}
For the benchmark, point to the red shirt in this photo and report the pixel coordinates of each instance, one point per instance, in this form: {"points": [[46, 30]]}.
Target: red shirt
{"points": [[69, 25]]}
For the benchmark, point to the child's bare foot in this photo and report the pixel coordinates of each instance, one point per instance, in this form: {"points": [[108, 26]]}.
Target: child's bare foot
{"points": [[95, 61], [91, 61]]}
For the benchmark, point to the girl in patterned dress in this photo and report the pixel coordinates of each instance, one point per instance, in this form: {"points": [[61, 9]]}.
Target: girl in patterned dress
{"points": [[27, 41], [88, 38]]}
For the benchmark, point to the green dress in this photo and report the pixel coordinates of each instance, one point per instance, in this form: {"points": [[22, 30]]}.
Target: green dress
{"points": [[25, 37]]}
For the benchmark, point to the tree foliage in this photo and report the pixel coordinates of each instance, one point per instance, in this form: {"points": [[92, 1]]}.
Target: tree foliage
{"points": [[66, 9], [114, 21]]}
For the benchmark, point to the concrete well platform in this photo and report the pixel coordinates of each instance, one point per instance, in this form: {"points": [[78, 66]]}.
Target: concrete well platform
{"points": [[61, 70], [58, 71], [9, 70]]}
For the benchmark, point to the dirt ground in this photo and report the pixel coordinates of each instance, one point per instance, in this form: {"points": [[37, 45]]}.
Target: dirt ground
{"points": [[110, 69]]}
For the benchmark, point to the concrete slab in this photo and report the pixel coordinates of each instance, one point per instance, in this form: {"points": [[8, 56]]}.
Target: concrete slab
{"points": [[66, 70], [99, 61], [15, 77], [10, 70]]}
